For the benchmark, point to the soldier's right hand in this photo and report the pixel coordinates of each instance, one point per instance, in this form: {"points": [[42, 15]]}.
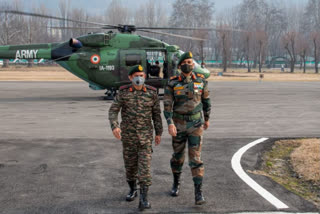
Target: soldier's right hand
{"points": [[117, 133], [172, 130]]}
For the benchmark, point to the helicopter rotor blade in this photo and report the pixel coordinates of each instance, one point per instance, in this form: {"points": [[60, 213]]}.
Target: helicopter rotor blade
{"points": [[76, 28], [175, 35], [190, 28], [54, 17]]}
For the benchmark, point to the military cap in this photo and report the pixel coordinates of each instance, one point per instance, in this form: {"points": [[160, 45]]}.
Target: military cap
{"points": [[186, 55], [136, 68]]}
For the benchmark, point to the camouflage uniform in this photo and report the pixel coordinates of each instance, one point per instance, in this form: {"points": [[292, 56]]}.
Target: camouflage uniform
{"points": [[138, 108], [184, 100]]}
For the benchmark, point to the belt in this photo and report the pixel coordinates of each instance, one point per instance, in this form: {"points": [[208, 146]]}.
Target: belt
{"points": [[187, 117]]}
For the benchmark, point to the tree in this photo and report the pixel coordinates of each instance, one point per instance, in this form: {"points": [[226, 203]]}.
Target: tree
{"points": [[191, 13], [64, 6], [311, 19], [252, 18], [225, 41], [116, 13], [289, 43], [315, 37], [247, 44], [260, 43], [13, 26], [302, 50]]}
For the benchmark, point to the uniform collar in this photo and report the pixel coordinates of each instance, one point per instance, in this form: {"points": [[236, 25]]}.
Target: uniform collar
{"points": [[183, 77], [132, 88]]}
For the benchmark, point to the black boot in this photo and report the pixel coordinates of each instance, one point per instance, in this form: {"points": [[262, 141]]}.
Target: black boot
{"points": [[198, 194], [133, 191], [143, 203], [176, 184]]}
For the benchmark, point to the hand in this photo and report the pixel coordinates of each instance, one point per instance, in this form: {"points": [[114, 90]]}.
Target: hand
{"points": [[172, 130], [117, 133], [206, 125], [157, 140]]}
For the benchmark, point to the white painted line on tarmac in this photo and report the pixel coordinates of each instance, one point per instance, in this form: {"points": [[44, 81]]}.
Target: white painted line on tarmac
{"points": [[276, 213], [236, 166]]}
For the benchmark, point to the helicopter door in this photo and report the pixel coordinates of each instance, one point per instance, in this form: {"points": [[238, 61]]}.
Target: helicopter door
{"points": [[129, 58]]}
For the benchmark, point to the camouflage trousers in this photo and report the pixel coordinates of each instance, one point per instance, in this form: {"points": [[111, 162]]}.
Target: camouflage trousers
{"points": [[191, 132], [137, 150]]}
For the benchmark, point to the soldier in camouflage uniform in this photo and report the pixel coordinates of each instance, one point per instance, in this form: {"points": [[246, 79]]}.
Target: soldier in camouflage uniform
{"points": [[139, 105], [186, 97]]}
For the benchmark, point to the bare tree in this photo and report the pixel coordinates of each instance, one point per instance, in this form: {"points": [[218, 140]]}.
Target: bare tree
{"points": [[260, 42], [79, 14], [64, 6], [190, 13], [289, 43], [311, 21], [225, 41], [315, 37], [12, 25], [247, 48], [302, 50], [150, 13], [117, 13]]}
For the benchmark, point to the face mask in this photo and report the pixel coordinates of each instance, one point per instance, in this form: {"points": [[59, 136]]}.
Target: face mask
{"points": [[138, 80], [186, 68]]}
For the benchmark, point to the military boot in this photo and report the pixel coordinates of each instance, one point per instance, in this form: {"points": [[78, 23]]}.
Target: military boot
{"points": [[133, 191], [198, 194], [176, 184], [143, 203]]}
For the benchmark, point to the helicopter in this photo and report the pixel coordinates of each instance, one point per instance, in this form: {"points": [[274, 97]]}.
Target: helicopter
{"points": [[104, 59]]}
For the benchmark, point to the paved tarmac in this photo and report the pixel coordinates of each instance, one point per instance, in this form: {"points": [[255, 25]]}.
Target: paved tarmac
{"points": [[58, 155]]}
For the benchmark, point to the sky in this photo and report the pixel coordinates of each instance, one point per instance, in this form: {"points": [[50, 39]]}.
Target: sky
{"points": [[99, 6]]}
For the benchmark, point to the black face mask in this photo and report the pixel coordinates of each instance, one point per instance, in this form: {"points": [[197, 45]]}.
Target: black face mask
{"points": [[186, 68]]}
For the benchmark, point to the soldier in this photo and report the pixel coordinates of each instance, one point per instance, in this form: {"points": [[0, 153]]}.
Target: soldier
{"points": [[186, 96], [139, 105]]}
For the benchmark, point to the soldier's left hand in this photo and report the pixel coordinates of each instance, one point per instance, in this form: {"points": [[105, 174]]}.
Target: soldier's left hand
{"points": [[157, 140], [206, 125]]}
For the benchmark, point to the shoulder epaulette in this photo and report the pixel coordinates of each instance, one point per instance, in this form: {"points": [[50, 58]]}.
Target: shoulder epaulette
{"points": [[201, 76], [124, 87], [150, 87], [174, 77]]}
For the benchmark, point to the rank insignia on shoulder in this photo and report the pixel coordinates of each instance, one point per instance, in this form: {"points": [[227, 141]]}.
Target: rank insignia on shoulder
{"points": [[200, 75], [124, 87]]}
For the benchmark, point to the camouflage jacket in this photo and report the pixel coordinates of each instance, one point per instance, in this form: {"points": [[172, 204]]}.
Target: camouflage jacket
{"points": [[186, 96], [138, 108]]}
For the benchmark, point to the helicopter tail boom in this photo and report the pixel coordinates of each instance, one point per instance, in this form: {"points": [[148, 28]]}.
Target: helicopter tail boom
{"points": [[33, 51]]}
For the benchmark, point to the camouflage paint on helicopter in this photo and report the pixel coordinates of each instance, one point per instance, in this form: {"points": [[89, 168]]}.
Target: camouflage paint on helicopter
{"points": [[102, 59]]}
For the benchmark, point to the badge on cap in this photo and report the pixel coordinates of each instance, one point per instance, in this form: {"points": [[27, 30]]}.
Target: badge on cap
{"points": [[140, 68], [190, 54]]}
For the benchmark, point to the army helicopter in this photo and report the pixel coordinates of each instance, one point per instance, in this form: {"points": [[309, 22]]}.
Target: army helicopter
{"points": [[104, 59]]}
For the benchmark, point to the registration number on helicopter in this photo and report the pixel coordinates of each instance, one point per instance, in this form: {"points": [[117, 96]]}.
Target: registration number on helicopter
{"points": [[106, 68]]}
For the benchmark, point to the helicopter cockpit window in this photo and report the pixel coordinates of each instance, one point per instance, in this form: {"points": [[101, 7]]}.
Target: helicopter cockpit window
{"points": [[157, 65], [133, 59], [175, 59]]}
